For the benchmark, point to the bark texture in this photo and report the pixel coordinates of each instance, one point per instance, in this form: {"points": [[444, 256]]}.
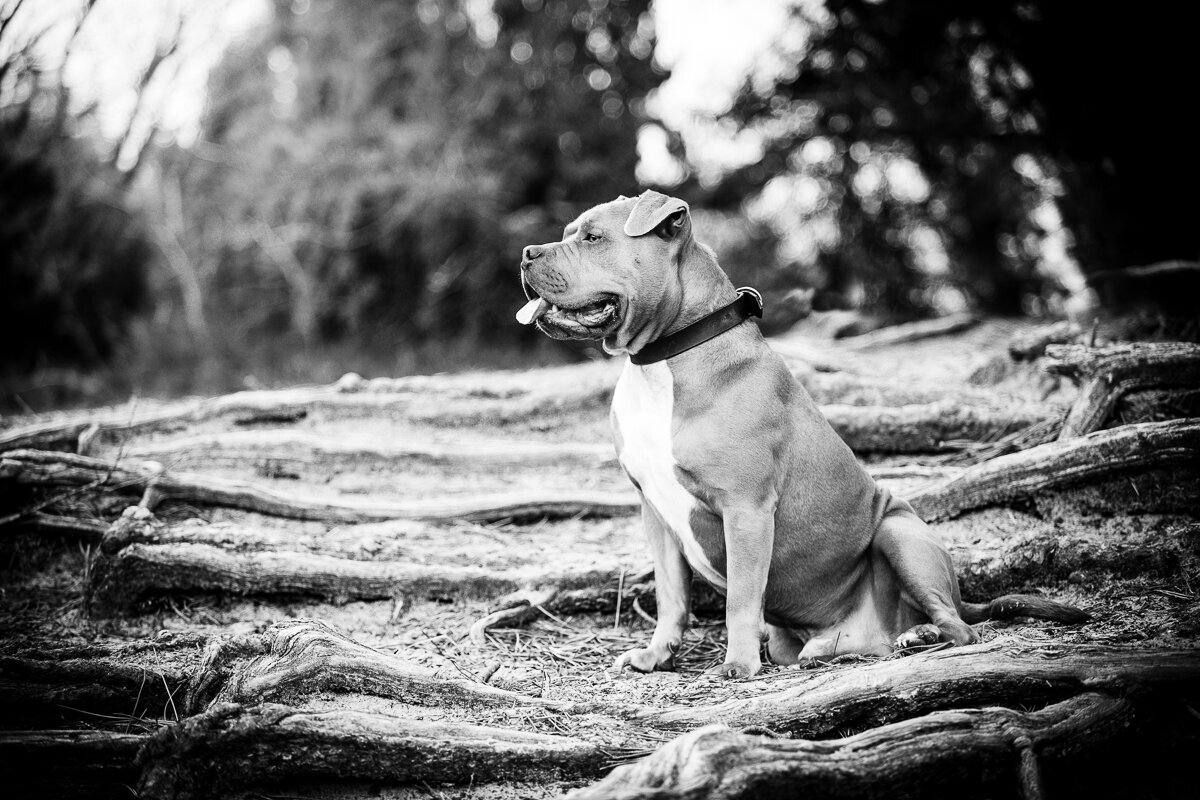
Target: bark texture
{"points": [[964, 753], [305, 657], [1111, 373], [50, 469], [1130, 448], [232, 746]]}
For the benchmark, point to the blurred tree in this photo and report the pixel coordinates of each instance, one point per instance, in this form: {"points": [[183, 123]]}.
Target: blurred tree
{"points": [[371, 168], [1003, 105], [73, 256]]}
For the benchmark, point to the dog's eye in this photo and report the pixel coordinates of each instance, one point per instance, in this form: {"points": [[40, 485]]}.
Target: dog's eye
{"points": [[591, 236]]}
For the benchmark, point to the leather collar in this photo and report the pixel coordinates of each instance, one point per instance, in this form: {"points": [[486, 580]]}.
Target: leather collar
{"points": [[749, 303]]}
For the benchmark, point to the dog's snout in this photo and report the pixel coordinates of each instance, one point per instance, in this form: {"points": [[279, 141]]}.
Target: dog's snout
{"points": [[532, 253]]}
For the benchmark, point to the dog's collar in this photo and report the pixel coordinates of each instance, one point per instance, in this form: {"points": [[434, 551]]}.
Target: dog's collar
{"points": [[749, 303]]}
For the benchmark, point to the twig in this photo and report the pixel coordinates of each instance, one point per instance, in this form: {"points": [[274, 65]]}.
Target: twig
{"points": [[620, 589]]}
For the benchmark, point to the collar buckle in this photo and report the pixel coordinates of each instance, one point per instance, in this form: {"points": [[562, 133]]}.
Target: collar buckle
{"points": [[750, 290], [749, 303]]}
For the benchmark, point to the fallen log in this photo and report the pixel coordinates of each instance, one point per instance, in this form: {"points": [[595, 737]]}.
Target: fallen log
{"points": [[230, 747], [963, 753], [43, 468], [1110, 373], [1130, 448]]}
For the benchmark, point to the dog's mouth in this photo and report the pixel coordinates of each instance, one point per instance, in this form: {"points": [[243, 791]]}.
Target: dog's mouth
{"points": [[592, 320]]}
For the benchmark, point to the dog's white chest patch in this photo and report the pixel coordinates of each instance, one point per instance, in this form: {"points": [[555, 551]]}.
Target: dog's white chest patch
{"points": [[643, 403]]}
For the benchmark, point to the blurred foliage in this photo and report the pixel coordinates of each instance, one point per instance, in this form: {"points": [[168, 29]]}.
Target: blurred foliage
{"points": [[368, 171], [1006, 108], [73, 257], [372, 169]]}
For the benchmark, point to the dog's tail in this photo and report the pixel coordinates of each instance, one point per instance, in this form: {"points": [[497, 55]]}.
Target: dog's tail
{"points": [[1023, 605]]}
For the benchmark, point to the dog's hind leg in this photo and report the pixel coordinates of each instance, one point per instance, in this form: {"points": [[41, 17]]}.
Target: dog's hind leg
{"points": [[923, 566], [783, 646]]}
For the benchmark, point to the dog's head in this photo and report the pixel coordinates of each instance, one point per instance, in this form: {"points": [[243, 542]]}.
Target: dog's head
{"points": [[615, 271]]}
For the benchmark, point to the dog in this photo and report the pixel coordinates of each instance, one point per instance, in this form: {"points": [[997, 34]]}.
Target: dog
{"points": [[742, 481]]}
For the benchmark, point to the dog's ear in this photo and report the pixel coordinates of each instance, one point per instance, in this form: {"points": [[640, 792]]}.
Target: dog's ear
{"points": [[666, 216]]}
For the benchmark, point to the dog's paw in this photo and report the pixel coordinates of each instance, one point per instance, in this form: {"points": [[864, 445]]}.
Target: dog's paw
{"points": [[643, 659], [917, 636], [956, 631], [735, 669]]}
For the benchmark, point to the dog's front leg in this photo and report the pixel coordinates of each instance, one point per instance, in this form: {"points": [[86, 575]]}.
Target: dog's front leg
{"points": [[672, 590], [749, 541]]}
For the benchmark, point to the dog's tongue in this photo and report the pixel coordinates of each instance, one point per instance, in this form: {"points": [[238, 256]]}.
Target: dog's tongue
{"points": [[532, 311]]}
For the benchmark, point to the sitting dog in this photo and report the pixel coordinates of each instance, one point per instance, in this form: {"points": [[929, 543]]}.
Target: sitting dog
{"points": [[742, 481]]}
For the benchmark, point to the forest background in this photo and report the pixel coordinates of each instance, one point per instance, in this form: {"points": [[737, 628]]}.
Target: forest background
{"points": [[359, 177]]}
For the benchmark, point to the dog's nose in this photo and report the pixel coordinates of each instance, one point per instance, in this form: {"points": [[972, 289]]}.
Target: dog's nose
{"points": [[532, 252]]}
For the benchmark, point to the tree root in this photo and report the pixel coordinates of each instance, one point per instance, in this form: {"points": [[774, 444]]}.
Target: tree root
{"points": [[872, 416], [966, 753], [139, 569], [141, 555], [239, 448], [231, 746], [911, 331], [304, 657], [1004, 671], [68, 763], [944, 426], [936, 702], [1110, 373], [498, 398], [1129, 448], [46, 469]]}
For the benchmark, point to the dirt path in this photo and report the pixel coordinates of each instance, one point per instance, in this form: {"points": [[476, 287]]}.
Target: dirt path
{"points": [[172, 635]]}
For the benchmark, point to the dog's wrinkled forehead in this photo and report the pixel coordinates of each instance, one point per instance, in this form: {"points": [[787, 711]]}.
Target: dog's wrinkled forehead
{"points": [[610, 217], [631, 216]]}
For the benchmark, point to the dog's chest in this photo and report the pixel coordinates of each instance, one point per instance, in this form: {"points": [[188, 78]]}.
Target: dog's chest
{"points": [[643, 408]]}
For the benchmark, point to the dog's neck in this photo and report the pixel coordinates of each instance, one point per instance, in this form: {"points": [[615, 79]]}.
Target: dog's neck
{"points": [[703, 288]]}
